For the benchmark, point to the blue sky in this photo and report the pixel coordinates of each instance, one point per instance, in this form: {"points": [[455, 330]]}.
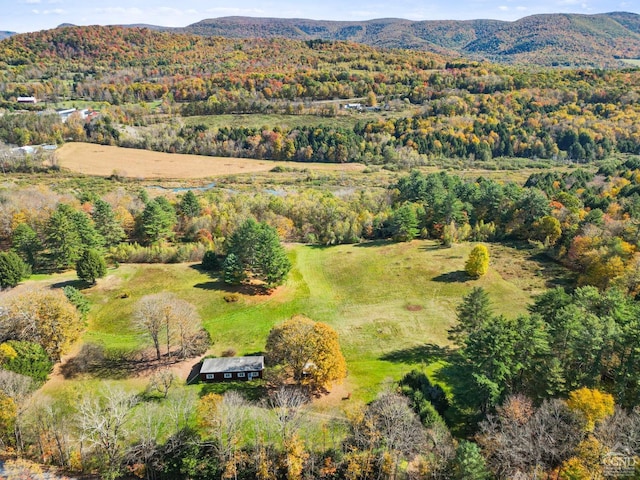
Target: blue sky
{"points": [[29, 15]]}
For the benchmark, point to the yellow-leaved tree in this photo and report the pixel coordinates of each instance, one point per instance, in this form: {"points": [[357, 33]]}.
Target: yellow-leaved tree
{"points": [[592, 404], [308, 351], [477, 264], [45, 317]]}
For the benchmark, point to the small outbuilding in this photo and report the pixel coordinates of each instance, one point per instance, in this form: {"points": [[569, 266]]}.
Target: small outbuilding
{"points": [[229, 369], [31, 100]]}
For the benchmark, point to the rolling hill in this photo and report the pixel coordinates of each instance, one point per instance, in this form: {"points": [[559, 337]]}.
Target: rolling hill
{"points": [[552, 39]]}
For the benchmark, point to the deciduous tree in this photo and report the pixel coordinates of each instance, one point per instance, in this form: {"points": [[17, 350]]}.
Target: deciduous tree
{"points": [[308, 350], [477, 264]]}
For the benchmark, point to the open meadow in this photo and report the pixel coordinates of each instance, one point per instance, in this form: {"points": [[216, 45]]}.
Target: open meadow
{"points": [[105, 160], [391, 304]]}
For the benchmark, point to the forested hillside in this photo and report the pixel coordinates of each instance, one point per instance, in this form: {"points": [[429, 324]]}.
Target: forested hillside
{"points": [[428, 107], [472, 276], [554, 39]]}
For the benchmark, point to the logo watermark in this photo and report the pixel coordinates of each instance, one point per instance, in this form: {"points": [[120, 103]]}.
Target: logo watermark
{"points": [[620, 462]]}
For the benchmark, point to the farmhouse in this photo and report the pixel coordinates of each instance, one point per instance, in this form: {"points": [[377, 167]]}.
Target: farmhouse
{"points": [[230, 369]]}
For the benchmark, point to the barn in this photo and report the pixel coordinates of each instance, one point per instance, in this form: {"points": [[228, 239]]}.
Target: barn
{"points": [[230, 369]]}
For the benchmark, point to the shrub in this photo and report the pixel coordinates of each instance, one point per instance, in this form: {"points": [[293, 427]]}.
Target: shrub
{"points": [[229, 352], [135, 253], [31, 360], [76, 297], [231, 298]]}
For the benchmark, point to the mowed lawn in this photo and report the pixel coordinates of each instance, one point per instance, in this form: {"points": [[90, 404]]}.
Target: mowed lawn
{"points": [[389, 302], [105, 160]]}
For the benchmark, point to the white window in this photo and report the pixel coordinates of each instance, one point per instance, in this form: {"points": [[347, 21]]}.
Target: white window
{"points": [[228, 375], [241, 375], [253, 374], [209, 376]]}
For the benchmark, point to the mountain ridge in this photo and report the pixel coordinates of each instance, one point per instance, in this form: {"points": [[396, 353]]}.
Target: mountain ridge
{"points": [[548, 39]]}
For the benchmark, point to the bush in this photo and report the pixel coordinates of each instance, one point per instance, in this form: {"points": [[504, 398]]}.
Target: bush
{"points": [[229, 352], [76, 297], [32, 360], [135, 253]]}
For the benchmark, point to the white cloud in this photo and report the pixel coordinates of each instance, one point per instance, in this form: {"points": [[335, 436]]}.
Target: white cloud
{"points": [[118, 11], [503, 8], [55, 11], [32, 2]]}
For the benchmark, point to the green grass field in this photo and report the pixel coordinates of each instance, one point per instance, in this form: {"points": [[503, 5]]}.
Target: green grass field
{"points": [[391, 303]]}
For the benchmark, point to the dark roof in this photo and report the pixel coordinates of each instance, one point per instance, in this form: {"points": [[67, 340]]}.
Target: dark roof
{"points": [[232, 364]]}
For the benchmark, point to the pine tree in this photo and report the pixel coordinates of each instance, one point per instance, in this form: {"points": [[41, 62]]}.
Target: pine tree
{"points": [[25, 242], [91, 266], [107, 224], [189, 205], [12, 269]]}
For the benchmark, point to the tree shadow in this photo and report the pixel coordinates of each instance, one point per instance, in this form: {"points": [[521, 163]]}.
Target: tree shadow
{"points": [[79, 284], [253, 390], [431, 248], [453, 277], [427, 353], [555, 274], [375, 243], [249, 289], [114, 364]]}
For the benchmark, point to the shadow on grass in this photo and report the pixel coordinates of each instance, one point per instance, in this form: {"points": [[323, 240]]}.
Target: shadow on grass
{"points": [[431, 248], [114, 364], [453, 277], [427, 353], [375, 243], [253, 390], [79, 284], [554, 273]]}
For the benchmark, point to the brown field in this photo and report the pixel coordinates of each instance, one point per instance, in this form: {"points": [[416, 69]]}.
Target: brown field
{"points": [[101, 160]]}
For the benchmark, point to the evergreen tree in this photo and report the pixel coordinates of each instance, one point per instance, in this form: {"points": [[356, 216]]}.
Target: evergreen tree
{"points": [[257, 249], [68, 233], [63, 240], [12, 269], [91, 266], [404, 223], [25, 242], [469, 463], [107, 224], [471, 313], [158, 220], [189, 205], [234, 273]]}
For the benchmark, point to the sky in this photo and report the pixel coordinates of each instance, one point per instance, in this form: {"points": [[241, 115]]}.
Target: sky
{"points": [[31, 15]]}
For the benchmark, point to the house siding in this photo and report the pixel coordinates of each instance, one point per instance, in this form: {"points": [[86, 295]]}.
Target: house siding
{"points": [[235, 376]]}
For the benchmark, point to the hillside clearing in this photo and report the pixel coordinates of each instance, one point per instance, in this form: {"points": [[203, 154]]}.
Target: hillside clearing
{"points": [[391, 304]]}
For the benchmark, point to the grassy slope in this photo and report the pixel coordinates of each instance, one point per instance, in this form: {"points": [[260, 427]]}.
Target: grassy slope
{"points": [[386, 300]]}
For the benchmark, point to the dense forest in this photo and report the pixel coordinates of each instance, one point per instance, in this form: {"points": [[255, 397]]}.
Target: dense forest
{"points": [[550, 392], [440, 109]]}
